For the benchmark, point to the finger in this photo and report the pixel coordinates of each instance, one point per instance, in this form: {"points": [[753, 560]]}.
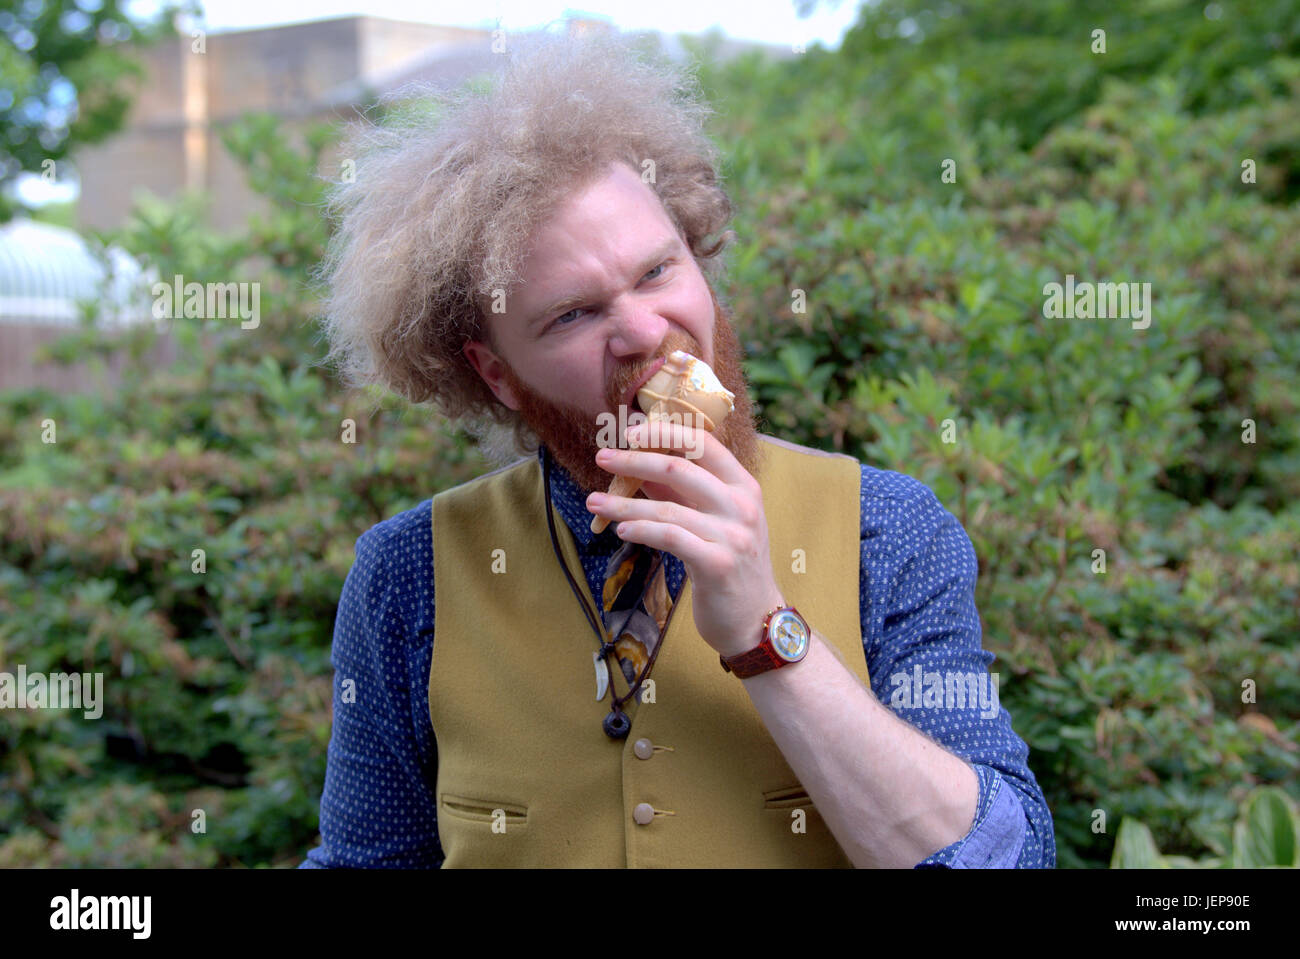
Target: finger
{"points": [[698, 445], [618, 509], [659, 491], [689, 481], [694, 552]]}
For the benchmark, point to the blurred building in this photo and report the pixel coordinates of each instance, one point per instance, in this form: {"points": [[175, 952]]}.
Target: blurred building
{"points": [[322, 70], [172, 138]]}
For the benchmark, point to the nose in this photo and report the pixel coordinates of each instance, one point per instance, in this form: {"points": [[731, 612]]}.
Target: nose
{"points": [[638, 329]]}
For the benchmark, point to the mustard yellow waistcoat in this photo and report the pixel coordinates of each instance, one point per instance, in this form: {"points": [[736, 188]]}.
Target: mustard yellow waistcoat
{"points": [[527, 777]]}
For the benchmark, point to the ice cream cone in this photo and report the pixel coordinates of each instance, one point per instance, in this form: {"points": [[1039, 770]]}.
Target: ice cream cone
{"points": [[684, 386], [627, 485]]}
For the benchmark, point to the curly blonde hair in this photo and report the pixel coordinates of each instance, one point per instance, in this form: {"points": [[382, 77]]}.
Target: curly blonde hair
{"points": [[449, 187]]}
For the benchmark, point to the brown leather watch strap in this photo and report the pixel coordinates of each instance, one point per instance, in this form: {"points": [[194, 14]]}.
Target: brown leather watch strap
{"points": [[757, 660]]}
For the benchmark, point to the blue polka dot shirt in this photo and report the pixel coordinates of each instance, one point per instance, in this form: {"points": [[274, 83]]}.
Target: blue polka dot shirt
{"points": [[920, 635]]}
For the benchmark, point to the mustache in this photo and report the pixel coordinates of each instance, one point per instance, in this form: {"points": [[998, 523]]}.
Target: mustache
{"points": [[625, 377]]}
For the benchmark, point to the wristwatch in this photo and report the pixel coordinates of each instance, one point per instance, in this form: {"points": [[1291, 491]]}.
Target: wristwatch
{"points": [[785, 640]]}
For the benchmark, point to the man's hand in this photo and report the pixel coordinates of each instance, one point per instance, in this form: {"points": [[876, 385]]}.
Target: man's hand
{"points": [[708, 512]]}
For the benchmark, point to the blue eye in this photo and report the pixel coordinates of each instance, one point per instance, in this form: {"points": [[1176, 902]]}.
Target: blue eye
{"points": [[558, 321]]}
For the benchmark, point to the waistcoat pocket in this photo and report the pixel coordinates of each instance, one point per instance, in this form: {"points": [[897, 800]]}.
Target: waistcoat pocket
{"points": [[788, 797], [484, 810]]}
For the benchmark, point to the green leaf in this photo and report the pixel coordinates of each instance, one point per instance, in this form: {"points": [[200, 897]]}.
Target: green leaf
{"points": [[1265, 833], [1135, 847], [798, 359], [766, 372]]}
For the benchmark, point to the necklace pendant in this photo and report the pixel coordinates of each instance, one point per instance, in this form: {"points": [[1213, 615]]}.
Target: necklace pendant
{"points": [[616, 724], [602, 675]]}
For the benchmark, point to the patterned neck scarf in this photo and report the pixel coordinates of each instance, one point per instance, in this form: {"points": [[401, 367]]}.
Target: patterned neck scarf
{"points": [[635, 604]]}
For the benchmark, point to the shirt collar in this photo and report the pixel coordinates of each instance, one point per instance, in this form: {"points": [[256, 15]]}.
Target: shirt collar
{"points": [[571, 501]]}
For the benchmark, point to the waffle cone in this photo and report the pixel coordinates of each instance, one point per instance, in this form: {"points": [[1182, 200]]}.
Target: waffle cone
{"points": [[628, 485]]}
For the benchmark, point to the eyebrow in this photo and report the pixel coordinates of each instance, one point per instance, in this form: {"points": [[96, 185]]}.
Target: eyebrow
{"points": [[569, 301]]}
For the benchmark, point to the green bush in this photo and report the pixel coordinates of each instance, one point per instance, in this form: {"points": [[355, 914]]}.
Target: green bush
{"points": [[925, 310], [1263, 837]]}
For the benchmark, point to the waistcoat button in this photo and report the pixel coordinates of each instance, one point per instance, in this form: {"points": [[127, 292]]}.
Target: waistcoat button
{"points": [[643, 813], [643, 748]]}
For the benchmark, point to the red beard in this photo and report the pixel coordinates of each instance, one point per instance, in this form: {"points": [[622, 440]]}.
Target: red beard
{"points": [[570, 434]]}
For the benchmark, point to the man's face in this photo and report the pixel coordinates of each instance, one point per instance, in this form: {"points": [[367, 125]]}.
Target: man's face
{"points": [[608, 288]]}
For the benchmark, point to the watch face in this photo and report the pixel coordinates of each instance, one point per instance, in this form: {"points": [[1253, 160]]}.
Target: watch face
{"points": [[789, 635]]}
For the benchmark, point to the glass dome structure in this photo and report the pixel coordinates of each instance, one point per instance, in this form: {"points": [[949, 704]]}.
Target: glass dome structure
{"points": [[47, 272]]}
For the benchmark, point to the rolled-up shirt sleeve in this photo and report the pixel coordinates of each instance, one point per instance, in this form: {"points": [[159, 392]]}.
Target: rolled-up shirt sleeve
{"points": [[377, 809], [922, 638]]}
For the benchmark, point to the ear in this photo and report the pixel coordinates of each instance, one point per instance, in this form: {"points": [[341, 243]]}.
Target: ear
{"points": [[490, 367]]}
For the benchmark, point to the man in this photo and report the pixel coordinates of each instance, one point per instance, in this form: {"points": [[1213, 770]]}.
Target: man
{"points": [[527, 261]]}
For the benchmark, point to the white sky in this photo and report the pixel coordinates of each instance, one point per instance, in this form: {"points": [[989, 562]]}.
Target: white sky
{"points": [[769, 21]]}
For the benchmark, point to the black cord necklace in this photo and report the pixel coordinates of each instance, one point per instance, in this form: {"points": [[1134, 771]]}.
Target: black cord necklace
{"points": [[616, 724]]}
